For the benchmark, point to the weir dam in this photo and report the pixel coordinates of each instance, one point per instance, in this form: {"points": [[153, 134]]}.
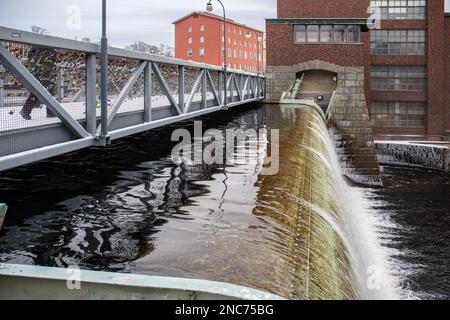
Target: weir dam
{"points": [[281, 218], [300, 233]]}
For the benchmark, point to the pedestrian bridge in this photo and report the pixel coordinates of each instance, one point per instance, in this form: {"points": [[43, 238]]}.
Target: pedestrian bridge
{"points": [[50, 93]]}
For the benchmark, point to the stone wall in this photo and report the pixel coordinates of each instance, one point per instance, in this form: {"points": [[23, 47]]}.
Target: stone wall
{"points": [[349, 124]]}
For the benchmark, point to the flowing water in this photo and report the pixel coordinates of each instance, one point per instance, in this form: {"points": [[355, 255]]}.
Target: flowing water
{"points": [[302, 233]]}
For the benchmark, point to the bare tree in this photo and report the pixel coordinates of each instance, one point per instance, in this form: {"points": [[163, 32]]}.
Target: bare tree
{"points": [[141, 46], [38, 29]]}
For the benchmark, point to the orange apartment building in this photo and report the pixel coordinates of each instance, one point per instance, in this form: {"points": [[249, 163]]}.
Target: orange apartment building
{"points": [[199, 37]]}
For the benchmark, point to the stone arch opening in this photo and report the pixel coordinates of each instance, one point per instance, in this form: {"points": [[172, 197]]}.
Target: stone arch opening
{"points": [[317, 85]]}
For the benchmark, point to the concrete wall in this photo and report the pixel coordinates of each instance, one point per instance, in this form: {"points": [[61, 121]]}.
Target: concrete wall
{"points": [[413, 155]]}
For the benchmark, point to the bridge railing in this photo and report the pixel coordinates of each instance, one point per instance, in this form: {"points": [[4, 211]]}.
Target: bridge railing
{"points": [[50, 92]]}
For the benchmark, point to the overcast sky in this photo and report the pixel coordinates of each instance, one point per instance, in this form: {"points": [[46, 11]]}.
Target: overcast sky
{"points": [[129, 20]]}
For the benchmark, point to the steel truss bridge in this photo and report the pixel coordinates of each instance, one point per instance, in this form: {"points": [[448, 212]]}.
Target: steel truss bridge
{"points": [[145, 92]]}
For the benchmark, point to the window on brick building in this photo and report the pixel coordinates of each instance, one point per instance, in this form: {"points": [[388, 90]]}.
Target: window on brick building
{"points": [[312, 33], [401, 9], [339, 33], [189, 53], [202, 27], [202, 52], [189, 28], [397, 42], [190, 40], [353, 34], [398, 78], [398, 114], [300, 34], [327, 33]]}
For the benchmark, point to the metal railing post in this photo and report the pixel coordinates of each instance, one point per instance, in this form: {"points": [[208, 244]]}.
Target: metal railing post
{"points": [[60, 86], [181, 87], [241, 87], [104, 76], [220, 89], [204, 91], [2, 94], [148, 91], [91, 93]]}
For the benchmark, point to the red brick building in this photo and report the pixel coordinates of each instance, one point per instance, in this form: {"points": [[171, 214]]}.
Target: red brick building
{"points": [[406, 62], [199, 37]]}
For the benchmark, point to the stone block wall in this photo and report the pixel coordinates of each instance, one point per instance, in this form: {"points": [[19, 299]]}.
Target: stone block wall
{"points": [[349, 124]]}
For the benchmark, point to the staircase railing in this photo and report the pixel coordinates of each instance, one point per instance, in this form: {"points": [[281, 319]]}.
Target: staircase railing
{"points": [[330, 108]]}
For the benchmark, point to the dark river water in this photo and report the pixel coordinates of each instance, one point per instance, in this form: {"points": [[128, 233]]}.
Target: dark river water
{"points": [[128, 208], [415, 205]]}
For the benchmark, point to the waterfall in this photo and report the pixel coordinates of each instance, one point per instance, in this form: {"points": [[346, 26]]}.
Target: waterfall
{"points": [[330, 233]]}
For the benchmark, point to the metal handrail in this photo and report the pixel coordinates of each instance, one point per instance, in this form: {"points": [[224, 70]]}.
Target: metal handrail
{"points": [[30, 38], [248, 90], [330, 106]]}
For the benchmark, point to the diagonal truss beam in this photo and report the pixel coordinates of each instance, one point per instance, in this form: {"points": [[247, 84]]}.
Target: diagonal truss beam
{"points": [[36, 88], [252, 86], [125, 91], [229, 88], [213, 89], [245, 88], [238, 88], [194, 91], [165, 88]]}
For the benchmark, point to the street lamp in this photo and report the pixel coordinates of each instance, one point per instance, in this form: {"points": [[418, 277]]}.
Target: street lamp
{"points": [[248, 35], [258, 40], [104, 76], [209, 8]]}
